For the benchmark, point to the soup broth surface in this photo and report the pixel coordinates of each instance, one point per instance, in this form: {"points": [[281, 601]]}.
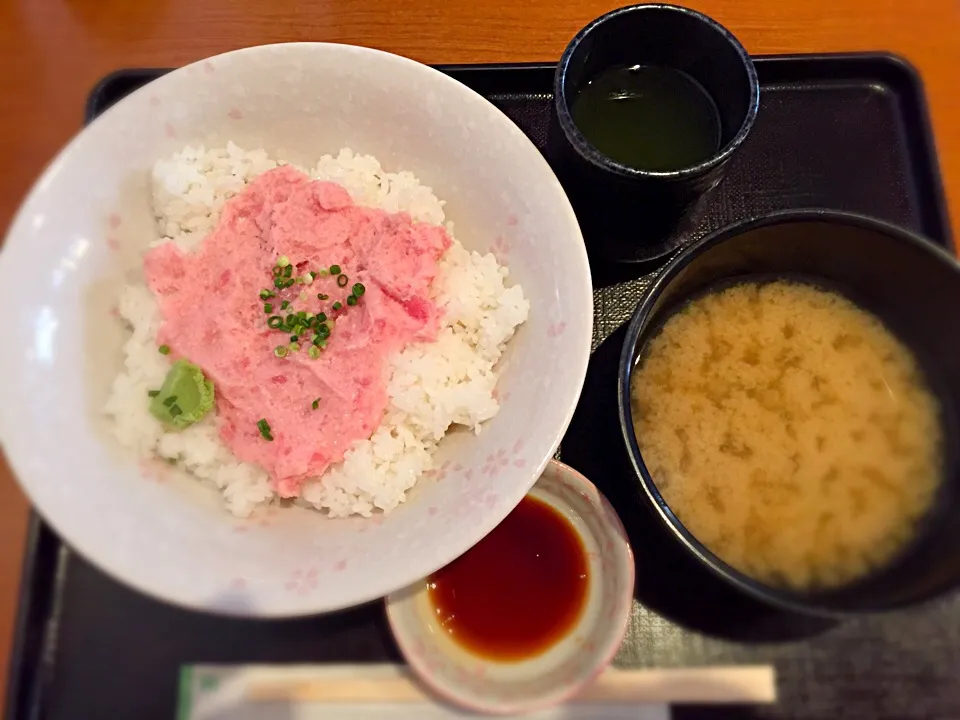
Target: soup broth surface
{"points": [[789, 431]]}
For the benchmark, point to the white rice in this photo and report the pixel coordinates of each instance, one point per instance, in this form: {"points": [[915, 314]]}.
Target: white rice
{"points": [[430, 385]]}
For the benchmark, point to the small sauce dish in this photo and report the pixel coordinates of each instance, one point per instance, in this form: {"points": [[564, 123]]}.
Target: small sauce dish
{"points": [[529, 616]]}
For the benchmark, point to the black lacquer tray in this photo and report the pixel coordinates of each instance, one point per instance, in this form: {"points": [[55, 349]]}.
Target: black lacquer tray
{"points": [[848, 132]]}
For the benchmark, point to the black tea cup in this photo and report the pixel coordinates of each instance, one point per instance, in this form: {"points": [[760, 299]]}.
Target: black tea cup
{"points": [[629, 214]]}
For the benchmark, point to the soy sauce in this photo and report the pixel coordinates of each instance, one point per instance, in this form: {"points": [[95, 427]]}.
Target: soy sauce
{"points": [[649, 118], [518, 591]]}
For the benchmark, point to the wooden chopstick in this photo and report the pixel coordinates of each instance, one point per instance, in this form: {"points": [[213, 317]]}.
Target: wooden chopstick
{"points": [[369, 684]]}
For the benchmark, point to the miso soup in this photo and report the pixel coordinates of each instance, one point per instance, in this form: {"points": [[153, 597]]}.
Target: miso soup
{"points": [[789, 431]]}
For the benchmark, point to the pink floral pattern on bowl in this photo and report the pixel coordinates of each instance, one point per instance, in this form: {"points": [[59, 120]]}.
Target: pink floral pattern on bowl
{"points": [[501, 250], [302, 582], [500, 459], [556, 675]]}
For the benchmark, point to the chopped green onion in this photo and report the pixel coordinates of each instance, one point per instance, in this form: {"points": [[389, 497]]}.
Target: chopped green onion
{"points": [[280, 351], [264, 427], [266, 294], [170, 400], [278, 283], [175, 410], [315, 404], [164, 349], [321, 296], [352, 300], [152, 393], [308, 278], [358, 289], [283, 261], [342, 281], [294, 347], [285, 304], [334, 269], [314, 353], [323, 272], [294, 338], [288, 272], [291, 319], [323, 330], [321, 317], [274, 322], [337, 305], [268, 308]]}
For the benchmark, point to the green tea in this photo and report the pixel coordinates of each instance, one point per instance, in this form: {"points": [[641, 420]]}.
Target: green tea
{"points": [[648, 117]]}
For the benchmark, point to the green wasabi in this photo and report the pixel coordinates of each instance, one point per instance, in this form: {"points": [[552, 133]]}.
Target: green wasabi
{"points": [[185, 396]]}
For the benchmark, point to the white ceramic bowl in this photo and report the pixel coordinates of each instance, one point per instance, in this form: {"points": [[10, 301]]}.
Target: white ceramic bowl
{"points": [[561, 671], [88, 218]]}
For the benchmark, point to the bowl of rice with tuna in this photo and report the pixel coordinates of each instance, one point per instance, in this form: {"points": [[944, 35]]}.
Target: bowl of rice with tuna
{"points": [[290, 328]]}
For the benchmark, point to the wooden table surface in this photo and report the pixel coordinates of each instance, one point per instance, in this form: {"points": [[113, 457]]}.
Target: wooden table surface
{"points": [[53, 51]]}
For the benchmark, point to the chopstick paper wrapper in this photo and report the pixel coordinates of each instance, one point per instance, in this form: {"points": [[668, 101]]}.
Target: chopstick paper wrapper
{"points": [[216, 692]]}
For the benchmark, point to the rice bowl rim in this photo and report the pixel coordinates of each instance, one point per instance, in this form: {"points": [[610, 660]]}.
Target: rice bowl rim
{"points": [[67, 524]]}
